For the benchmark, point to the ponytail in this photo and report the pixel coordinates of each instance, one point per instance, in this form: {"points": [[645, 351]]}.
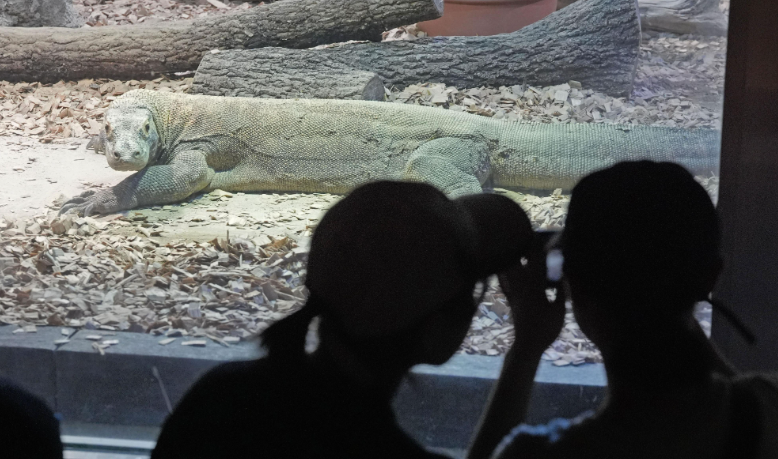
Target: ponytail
{"points": [[285, 339]]}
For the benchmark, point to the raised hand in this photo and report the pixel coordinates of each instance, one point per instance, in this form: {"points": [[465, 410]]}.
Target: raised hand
{"points": [[537, 319]]}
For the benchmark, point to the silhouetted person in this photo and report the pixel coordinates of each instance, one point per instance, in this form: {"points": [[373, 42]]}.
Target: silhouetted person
{"points": [[28, 428], [641, 247], [392, 272]]}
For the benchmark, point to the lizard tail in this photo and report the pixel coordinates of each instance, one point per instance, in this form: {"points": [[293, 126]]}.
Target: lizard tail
{"points": [[549, 156]]}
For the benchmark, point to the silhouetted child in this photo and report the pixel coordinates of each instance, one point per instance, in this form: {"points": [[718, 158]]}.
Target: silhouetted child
{"points": [[28, 428], [392, 272], [641, 247]]}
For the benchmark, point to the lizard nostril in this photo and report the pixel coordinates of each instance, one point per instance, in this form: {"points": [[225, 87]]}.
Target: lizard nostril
{"points": [[116, 154], [136, 154]]}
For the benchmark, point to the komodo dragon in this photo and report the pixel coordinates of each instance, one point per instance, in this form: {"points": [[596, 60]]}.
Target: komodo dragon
{"points": [[182, 144]]}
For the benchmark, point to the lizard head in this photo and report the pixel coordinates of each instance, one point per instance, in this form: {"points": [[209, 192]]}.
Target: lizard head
{"points": [[131, 138]]}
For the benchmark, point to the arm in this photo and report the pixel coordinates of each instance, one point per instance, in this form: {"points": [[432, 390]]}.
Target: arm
{"points": [[537, 322], [187, 173], [508, 403]]}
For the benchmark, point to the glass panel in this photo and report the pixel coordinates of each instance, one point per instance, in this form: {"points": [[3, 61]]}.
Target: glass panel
{"points": [[196, 279]]}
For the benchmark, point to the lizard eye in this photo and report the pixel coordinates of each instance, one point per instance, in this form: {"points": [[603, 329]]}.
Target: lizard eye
{"points": [[146, 128], [108, 128]]}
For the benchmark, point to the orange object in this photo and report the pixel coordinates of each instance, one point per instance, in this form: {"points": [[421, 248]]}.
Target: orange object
{"points": [[487, 17]]}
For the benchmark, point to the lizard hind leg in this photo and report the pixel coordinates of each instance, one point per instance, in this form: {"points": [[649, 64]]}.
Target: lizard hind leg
{"points": [[458, 167]]}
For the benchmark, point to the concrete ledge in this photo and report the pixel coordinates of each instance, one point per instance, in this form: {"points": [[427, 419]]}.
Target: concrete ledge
{"points": [[28, 359], [120, 388], [440, 406]]}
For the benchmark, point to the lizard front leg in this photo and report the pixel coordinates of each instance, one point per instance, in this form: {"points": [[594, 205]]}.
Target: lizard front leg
{"points": [[456, 167], [187, 173]]}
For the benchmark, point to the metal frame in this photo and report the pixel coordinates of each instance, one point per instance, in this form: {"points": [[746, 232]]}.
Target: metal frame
{"points": [[748, 193]]}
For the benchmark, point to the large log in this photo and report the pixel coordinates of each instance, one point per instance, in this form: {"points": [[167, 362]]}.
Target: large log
{"points": [[701, 17], [140, 51], [595, 42], [36, 13], [282, 79]]}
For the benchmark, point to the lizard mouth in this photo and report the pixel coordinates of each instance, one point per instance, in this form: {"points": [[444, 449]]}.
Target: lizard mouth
{"points": [[126, 167], [131, 162]]}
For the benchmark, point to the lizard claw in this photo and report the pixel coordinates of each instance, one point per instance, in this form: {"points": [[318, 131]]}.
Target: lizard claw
{"points": [[86, 204]]}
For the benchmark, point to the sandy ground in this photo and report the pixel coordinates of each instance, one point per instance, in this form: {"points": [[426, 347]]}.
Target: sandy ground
{"points": [[33, 175]]}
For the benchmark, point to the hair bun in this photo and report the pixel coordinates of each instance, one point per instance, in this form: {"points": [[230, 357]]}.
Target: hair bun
{"points": [[501, 229]]}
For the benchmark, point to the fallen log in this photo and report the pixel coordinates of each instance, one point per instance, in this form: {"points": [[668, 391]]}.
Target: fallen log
{"points": [[594, 42], [700, 17], [34, 13], [141, 51], [282, 79]]}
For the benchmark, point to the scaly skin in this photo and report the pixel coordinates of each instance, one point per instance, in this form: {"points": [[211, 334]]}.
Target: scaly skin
{"points": [[183, 144]]}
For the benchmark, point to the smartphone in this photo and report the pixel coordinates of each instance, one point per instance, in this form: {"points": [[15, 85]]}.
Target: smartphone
{"points": [[554, 259]]}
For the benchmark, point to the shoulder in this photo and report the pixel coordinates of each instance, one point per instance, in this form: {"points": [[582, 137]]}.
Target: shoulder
{"points": [[235, 371], [541, 441], [17, 401], [226, 400], [767, 382], [29, 426], [757, 393], [227, 383]]}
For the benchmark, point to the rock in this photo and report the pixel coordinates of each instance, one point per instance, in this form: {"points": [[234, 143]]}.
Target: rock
{"points": [[37, 13], [216, 194], [234, 220]]}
